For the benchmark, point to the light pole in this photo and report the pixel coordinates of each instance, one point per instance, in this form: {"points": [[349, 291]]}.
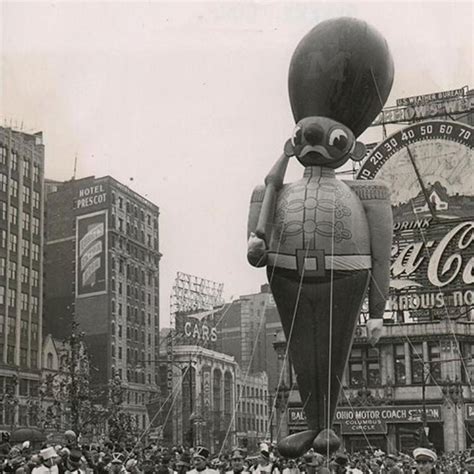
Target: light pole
{"points": [[451, 391]]}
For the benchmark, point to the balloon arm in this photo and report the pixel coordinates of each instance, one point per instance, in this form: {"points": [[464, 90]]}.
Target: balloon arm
{"points": [[273, 184], [375, 198]]}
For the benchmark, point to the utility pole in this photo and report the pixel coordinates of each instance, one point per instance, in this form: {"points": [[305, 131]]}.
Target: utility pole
{"points": [[73, 393]]}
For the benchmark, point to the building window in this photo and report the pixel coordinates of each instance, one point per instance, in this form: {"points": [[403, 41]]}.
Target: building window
{"points": [[35, 252], [34, 304], [3, 264], [34, 358], [356, 373], [400, 367], [11, 297], [34, 331], [3, 182], [24, 302], [36, 225], [364, 367], [3, 210], [36, 199], [26, 195], [12, 270], [3, 238], [13, 243], [10, 358], [25, 274], [2, 294], [34, 278], [26, 222], [3, 155], [36, 172], [26, 168], [25, 248], [434, 354], [14, 161], [373, 367], [13, 215], [49, 360], [416, 357], [14, 188]]}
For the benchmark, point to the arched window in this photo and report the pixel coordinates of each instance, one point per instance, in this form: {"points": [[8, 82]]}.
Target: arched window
{"points": [[227, 392], [49, 360], [216, 390]]}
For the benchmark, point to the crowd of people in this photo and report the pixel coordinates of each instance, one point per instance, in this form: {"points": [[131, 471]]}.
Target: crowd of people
{"points": [[71, 457]]}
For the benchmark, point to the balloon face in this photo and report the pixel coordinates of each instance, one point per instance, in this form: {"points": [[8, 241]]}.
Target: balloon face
{"points": [[342, 69], [319, 141]]}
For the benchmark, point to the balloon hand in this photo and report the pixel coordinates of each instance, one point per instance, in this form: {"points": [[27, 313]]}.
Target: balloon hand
{"points": [[256, 251], [374, 330]]}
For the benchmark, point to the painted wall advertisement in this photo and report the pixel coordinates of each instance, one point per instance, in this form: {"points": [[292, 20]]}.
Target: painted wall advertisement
{"points": [[91, 254], [371, 420]]}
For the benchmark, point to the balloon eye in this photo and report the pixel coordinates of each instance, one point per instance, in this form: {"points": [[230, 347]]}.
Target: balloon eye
{"points": [[297, 136], [338, 139]]}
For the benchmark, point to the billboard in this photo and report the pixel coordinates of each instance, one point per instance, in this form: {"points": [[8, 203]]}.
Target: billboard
{"points": [[91, 254], [198, 328], [439, 104], [428, 169]]}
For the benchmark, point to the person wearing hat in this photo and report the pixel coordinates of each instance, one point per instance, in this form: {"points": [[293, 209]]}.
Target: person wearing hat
{"points": [[48, 462], [116, 464], [237, 462], [70, 439], [390, 465], [313, 462], [200, 459], [425, 460], [183, 462], [74, 462], [339, 463], [291, 467], [264, 462]]}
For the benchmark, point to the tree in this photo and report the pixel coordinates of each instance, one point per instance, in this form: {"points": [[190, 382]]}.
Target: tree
{"points": [[121, 425]]}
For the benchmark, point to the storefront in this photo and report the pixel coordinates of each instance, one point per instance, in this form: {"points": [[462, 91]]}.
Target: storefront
{"points": [[389, 428]]}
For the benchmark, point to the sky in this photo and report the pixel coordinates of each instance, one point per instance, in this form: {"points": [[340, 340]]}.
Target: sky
{"points": [[187, 102]]}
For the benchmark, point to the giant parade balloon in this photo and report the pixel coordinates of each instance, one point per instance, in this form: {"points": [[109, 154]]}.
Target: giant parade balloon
{"points": [[342, 69], [326, 242]]}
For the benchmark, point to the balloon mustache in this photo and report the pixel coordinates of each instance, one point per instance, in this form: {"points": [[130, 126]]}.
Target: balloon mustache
{"points": [[316, 148]]}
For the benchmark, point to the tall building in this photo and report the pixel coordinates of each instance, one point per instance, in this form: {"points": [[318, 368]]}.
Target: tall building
{"points": [[247, 329], [21, 269], [102, 270]]}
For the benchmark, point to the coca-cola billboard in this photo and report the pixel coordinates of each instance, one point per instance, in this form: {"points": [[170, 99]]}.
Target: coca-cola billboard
{"points": [[428, 169], [432, 267]]}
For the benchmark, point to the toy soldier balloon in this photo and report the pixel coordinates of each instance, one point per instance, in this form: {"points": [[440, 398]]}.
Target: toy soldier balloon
{"points": [[326, 241]]}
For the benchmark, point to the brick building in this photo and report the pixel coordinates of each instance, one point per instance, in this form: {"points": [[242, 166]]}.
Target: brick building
{"points": [[247, 328], [102, 269]]}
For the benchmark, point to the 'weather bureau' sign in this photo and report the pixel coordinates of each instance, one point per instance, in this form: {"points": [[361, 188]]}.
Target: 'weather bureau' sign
{"points": [[91, 254], [366, 420], [424, 110]]}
